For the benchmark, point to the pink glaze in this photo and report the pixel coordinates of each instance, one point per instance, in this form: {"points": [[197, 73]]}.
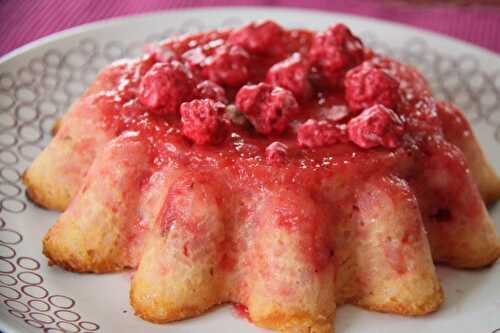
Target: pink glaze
{"points": [[276, 153], [456, 128], [241, 311]]}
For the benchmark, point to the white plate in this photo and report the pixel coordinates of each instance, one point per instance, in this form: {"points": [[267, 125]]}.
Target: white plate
{"points": [[37, 83]]}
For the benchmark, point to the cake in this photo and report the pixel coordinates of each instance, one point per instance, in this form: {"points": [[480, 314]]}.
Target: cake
{"points": [[284, 171]]}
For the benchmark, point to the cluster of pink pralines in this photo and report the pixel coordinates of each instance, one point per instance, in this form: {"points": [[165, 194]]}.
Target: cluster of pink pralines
{"points": [[336, 59]]}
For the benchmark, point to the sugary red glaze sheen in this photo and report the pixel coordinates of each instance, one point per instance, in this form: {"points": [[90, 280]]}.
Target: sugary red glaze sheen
{"points": [[238, 163], [241, 311]]}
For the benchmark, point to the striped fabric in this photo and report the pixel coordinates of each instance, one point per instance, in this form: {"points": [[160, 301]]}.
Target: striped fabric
{"points": [[22, 21]]}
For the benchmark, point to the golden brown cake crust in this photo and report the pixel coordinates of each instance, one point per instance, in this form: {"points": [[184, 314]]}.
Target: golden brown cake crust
{"points": [[44, 195]]}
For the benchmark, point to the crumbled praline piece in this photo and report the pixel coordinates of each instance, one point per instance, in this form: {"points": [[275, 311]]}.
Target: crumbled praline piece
{"points": [[210, 89], [366, 85], [228, 66], [194, 57], [335, 51], [201, 121], [314, 133], [165, 86], [268, 108], [159, 53], [259, 37], [376, 126], [292, 74], [335, 113]]}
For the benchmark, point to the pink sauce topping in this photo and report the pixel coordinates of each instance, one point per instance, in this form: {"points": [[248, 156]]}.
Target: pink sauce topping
{"points": [[234, 93]]}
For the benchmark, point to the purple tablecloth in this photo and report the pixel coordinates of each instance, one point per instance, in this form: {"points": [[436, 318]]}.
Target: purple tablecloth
{"points": [[22, 21]]}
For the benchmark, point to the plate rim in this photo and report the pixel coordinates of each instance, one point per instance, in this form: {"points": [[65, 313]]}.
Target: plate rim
{"points": [[122, 19]]}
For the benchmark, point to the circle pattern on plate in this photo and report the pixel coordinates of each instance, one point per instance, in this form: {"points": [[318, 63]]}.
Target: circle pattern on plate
{"points": [[34, 96], [23, 295]]}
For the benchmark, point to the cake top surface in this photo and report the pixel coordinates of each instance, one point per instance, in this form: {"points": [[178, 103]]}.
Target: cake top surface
{"points": [[263, 96]]}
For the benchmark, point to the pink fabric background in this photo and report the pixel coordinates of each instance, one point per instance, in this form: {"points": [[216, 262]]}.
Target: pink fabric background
{"points": [[22, 21]]}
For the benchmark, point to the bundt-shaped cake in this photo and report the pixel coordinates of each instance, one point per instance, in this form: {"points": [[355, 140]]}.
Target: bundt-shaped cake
{"points": [[284, 171]]}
